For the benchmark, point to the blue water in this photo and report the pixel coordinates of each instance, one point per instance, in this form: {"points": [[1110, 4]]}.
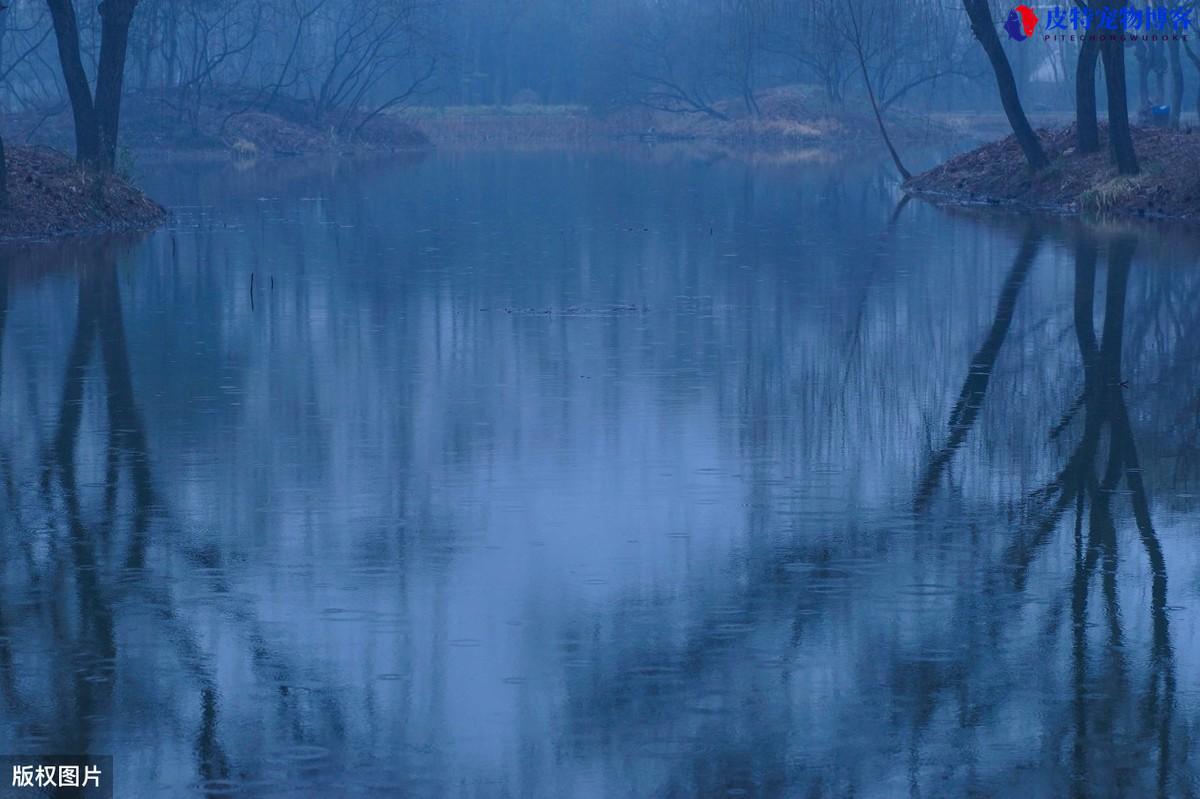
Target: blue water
{"points": [[601, 475]]}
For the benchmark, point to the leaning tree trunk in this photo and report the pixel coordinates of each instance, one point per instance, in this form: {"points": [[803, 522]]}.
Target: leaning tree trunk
{"points": [[1087, 129], [887, 140], [985, 31], [856, 41], [1112, 50]]}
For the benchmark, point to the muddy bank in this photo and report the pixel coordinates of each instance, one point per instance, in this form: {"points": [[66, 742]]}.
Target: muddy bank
{"points": [[49, 195], [1074, 183]]}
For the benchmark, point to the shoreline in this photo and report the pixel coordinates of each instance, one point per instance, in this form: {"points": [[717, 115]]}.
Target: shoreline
{"points": [[1073, 184], [51, 197], [788, 119], [951, 199]]}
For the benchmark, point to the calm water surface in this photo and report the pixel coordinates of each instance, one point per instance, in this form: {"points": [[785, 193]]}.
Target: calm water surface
{"points": [[537, 475]]}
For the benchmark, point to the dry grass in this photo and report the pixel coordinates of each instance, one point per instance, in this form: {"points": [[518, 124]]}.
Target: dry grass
{"points": [[1107, 197], [792, 118], [519, 110], [509, 127]]}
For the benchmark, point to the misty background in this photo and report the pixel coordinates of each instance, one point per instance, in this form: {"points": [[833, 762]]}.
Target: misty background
{"points": [[322, 58]]}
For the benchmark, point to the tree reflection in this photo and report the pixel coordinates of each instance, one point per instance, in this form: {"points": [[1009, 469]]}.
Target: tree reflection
{"points": [[106, 554], [802, 631], [942, 687], [979, 372], [1106, 422], [1105, 407]]}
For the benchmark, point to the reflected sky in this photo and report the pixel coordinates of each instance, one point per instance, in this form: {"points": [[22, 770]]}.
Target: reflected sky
{"points": [[600, 475]]}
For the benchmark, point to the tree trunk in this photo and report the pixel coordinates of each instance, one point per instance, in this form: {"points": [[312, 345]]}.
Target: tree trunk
{"points": [[887, 140], [171, 37], [66, 33], [1087, 129], [1176, 81], [96, 119], [1112, 50], [3, 177], [115, 19], [1142, 53], [855, 36], [3, 26], [985, 31], [1196, 63]]}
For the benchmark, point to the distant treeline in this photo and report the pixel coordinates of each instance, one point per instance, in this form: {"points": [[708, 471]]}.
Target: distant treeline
{"points": [[679, 55], [338, 64]]}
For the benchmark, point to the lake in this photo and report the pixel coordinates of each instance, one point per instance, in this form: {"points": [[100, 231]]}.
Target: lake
{"points": [[601, 475]]}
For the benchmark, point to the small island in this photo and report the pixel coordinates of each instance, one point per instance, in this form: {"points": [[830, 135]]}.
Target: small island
{"points": [[1110, 169], [49, 194], [1167, 184]]}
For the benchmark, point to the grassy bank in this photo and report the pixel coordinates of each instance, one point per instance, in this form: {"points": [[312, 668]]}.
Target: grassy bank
{"points": [[50, 195], [227, 124], [1074, 182], [234, 123], [514, 126], [794, 118]]}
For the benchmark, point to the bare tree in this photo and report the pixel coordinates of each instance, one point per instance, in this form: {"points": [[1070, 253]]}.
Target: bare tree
{"points": [[97, 117], [1112, 50], [1087, 128], [745, 23], [3, 177], [219, 33], [805, 34], [914, 44], [669, 63], [348, 62], [985, 31], [1195, 59], [857, 33], [25, 78], [3, 159], [1176, 68]]}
